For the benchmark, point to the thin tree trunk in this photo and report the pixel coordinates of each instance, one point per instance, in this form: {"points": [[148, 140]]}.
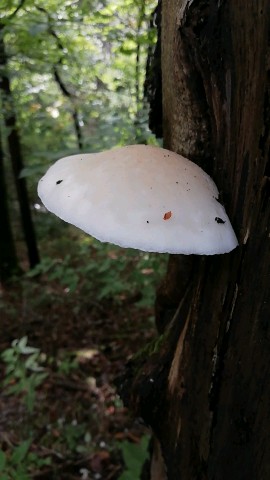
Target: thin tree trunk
{"points": [[75, 113], [153, 77], [66, 91], [140, 19], [8, 258], [15, 151], [205, 391]]}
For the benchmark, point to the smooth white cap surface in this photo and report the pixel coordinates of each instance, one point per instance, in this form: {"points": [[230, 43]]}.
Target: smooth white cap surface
{"points": [[142, 197]]}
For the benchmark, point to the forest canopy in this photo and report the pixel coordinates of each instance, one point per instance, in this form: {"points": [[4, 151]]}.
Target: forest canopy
{"points": [[84, 59]]}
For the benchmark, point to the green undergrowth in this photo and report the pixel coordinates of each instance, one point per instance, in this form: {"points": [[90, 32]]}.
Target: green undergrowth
{"points": [[94, 269], [109, 290], [26, 370]]}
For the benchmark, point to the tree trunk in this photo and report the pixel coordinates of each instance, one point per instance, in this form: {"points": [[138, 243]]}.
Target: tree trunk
{"points": [[65, 90], [205, 391], [75, 114], [15, 151], [8, 258]]}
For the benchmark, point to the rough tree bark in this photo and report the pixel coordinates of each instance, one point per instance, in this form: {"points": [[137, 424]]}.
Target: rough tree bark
{"points": [[206, 392]]}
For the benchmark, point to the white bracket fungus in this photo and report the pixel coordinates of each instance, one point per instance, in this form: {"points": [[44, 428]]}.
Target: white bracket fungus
{"points": [[142, 197]]}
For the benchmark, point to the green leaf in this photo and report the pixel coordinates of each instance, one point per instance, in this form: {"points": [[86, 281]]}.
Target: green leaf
{"points": [[127, 51], [29, 350], [21, 343], [20, 452], [8, 355], [134, 457], [32, 170], [2, 460]]}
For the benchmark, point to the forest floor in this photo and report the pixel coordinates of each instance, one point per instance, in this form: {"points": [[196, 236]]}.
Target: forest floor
{"points": [[61, 417]]}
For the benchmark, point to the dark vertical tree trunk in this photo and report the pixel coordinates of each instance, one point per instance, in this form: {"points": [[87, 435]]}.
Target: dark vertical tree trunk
{"points": [[15, 151], [8, 258], [206, 392]]}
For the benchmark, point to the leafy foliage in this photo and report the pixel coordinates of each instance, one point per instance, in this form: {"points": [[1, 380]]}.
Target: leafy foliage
{"points": [[63, 436], [17, 465], [24, 372], [111, 272], [134, 457], [99, 52]]}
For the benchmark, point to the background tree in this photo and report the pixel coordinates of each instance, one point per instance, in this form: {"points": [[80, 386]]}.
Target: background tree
{"points": [[8, 257], [16, 156], [206, 392]]}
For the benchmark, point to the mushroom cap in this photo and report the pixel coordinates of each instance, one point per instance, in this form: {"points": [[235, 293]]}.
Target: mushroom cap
{"points": [[140, 196]]}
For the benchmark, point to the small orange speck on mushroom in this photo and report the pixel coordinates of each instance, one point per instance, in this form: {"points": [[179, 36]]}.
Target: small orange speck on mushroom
{"points": [[167, 215]]}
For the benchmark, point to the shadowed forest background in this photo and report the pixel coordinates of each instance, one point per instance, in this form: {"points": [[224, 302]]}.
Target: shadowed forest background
{"points": [[77, 315], [73, 310]]}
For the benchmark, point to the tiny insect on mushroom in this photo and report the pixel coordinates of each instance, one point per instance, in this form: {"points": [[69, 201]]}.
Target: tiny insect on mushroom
{"points": [[140, 196]]}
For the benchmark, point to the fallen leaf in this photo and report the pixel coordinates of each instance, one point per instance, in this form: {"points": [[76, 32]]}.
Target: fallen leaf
{"points": [[98, 460]]}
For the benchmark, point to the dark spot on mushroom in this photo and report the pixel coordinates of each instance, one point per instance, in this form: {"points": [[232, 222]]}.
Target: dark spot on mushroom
{"points": [[176, 182], [58, 181], [147, 221], [219, 220]]}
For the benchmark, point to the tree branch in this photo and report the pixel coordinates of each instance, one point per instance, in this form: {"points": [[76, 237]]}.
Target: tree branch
{"points": [[21, 4], [64, 89]]}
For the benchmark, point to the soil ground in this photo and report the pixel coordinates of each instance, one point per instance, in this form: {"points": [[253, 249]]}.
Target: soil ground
{"points": [[78, 421]]}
